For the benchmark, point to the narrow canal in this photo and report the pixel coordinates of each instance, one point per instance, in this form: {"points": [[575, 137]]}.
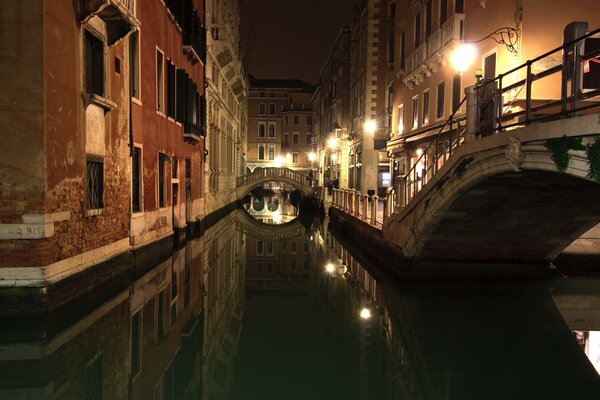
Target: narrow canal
{"points": [[266, 306]]}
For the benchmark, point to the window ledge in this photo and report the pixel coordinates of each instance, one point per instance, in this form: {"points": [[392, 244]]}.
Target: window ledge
{"points": [[100, 101], [94, 212]]}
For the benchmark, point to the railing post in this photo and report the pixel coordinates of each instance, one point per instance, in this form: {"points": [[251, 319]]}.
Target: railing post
{"points": [[402, 193], [472, 114], [386, 201], [365, 198], [351, 201], [357, 204], [374, 210]]}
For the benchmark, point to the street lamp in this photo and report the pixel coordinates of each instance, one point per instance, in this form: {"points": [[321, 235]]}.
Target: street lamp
{"points": [[370, 126], [312, 156], [464, 55], [333, 143]]}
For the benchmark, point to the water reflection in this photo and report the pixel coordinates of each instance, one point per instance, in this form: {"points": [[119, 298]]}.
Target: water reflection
{"points": [[271, 209], [252, 311]]}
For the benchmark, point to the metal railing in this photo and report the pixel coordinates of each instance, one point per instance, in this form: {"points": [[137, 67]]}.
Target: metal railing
{"points": [[494, 114], [510, 110], [435, 155]]}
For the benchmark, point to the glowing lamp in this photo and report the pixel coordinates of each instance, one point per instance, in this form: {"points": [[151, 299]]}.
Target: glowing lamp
{"points": [[462, 57], [370, 126], [365, 313]]}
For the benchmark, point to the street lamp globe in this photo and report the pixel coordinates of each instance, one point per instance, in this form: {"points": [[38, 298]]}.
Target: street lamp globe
{"points": [[312, 156], [370, 126], [462, 57], [333, 143], [330, 268]]}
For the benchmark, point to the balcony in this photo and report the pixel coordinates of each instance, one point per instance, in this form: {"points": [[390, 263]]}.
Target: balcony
{"points": [[428, 57], [119, 16]]}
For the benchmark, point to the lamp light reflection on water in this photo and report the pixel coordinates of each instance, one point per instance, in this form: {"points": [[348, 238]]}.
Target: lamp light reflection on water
{"points": [[365, 313], [330, 268]]}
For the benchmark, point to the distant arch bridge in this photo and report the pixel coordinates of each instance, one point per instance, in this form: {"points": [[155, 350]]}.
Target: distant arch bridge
{"points": [[260, 176]]}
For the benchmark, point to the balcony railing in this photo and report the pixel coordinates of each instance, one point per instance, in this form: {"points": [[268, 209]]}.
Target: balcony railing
{"points": [[450, 32]]}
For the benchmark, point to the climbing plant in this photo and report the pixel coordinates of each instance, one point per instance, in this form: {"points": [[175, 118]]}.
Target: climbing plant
{"points": [[560, 150], [593, 156]]}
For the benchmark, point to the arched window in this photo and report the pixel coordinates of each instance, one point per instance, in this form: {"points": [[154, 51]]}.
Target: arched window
{"points": [[261, 129], [271, 130], [261, 109], [272, 109], [261, 152]]}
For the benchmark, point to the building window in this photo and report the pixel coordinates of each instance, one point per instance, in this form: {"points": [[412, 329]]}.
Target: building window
{"points": [[426, 107], [427, 19], [260, 248], [443, 11], [417, 29], [286, 139], [460, 6], [94, 179], [272, 109], [271, 152], [135, 343], [456, 83], [489, 66], [293, 265], [286, 120], [159, 80], [415, 111], [293, 247], [93, 379], [441, 93], [261, 151], [309, 120], [170, 89], [295, 158], [308, 138], [94, 64], [295, 138], [259, 268], [261, 109], [261, 129], [162, 180], [400, 119], [136, 180], [134, 64], [296, 120], [402, 51], [271, 129], [269, 268]]}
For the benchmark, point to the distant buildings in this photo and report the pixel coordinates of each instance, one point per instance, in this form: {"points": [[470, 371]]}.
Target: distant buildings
{"points": [[280, 125]]}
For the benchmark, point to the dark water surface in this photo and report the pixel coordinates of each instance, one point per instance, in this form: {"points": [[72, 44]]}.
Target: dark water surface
{"points": [[282, 310]]}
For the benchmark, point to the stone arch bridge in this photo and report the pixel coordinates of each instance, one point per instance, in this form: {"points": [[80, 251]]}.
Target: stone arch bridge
{"points": [[502, 199], [260, 176]]}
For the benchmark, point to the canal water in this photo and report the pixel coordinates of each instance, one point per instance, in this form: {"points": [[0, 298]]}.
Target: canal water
{"points": [[263, 306]]}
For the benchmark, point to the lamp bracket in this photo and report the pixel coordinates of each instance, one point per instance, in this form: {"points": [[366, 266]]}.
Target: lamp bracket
{"points": [[507, 36]]}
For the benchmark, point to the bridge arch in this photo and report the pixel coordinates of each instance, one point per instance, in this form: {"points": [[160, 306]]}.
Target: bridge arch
{"points": [[482, 207], [251, 226], [261, 176]]}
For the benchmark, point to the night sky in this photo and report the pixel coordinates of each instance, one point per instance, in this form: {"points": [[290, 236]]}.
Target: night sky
{"points": [[292, 37]]}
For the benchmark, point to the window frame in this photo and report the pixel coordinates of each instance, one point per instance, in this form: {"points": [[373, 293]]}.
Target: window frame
{"points": [[160, 81]]}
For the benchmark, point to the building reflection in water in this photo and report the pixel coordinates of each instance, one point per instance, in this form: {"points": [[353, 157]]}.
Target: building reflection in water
{"points": [[172, 334], [252, 310]]}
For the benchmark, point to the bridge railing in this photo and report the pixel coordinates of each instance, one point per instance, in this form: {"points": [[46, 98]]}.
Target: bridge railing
{"points": [[498, 105], [276, 173], [371, 209]]}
